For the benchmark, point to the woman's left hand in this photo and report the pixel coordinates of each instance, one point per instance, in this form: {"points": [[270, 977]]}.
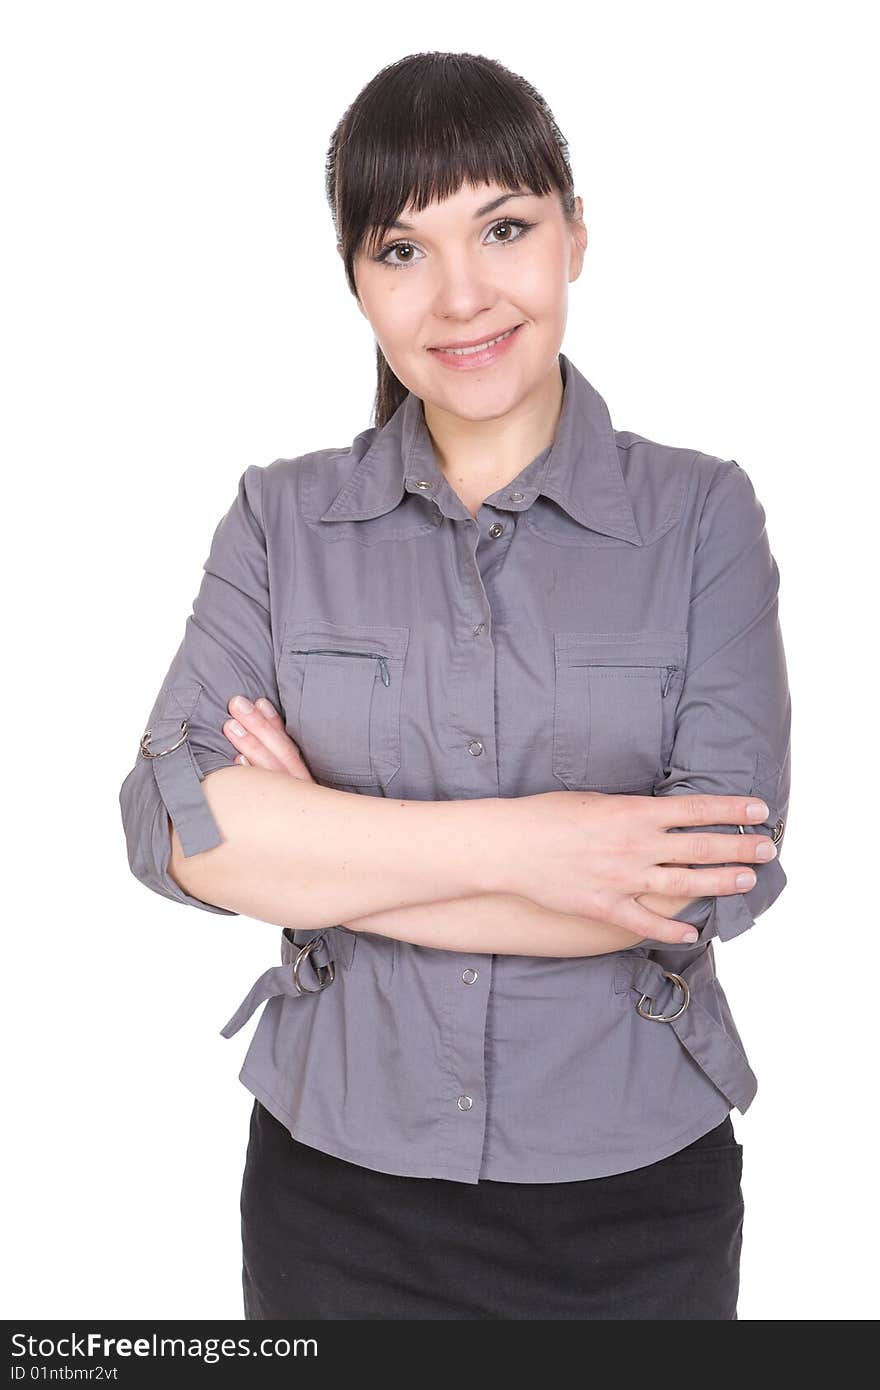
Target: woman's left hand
{"points": [[263, 740]]}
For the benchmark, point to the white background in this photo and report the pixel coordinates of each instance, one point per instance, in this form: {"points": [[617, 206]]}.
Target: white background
{"points": [[174, 309]]}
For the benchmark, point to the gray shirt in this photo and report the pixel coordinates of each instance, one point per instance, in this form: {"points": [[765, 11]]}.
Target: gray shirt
{"points": [[609, 622]]}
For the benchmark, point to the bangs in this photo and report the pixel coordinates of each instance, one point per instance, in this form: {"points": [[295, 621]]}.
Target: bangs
{"points": [[427, 126]]}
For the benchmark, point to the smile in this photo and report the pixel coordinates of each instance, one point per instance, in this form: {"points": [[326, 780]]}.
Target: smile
{"points": [[481, 355], [478, 347]]}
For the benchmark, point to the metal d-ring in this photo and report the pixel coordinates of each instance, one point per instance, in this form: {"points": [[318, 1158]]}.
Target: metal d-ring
{"points": [[145, 738], [776, 833], [666, 1018], [326, 979]]}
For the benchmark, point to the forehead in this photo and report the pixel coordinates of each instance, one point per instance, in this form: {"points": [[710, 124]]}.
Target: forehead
{"points": [[474, 199]]}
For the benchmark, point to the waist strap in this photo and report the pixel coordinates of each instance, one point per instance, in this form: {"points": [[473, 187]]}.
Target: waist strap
{"points": [[711, 1046], [309, 961]]}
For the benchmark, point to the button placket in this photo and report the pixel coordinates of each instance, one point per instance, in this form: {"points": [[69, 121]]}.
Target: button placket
{"points": [[475, 669], [466, 992]]}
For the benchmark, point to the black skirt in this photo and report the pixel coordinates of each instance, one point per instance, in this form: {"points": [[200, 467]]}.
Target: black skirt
{"points": [[325, 1238]]}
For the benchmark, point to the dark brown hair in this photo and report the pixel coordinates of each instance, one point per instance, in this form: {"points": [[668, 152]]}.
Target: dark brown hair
{"points": [[419, 130]]}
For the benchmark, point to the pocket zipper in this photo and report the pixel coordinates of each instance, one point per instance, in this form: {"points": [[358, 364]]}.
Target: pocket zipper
{"points": [[670, 671], [334, 651]]}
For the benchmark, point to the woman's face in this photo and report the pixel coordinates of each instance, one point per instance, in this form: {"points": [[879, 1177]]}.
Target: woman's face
{"points": [[467, 272]]}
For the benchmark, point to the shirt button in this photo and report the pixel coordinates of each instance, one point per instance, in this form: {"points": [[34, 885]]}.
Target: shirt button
{"points": [[475, 747], [465, 1102], [469, 975], [422, 483], [496, 529], [517, 496], [480, 627]]}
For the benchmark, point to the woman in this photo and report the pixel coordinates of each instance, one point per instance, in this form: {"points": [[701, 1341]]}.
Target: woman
{"points": [[487, 642]]}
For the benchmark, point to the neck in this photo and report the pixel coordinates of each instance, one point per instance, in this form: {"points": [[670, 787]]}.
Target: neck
{"points": [[479, 456]]}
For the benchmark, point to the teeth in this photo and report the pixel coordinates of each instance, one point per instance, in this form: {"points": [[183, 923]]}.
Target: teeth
{"points": [[481, 347]]}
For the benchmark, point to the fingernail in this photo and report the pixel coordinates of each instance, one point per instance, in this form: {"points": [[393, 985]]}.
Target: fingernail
{"points": [[766, 852], [690, 935], [236, 728], [266, 709], [242, 760], [745, 880], [242, 704], [757, 810]]}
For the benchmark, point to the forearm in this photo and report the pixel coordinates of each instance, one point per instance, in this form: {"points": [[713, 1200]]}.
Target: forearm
{"points": [[508, 924], [302, 855]]}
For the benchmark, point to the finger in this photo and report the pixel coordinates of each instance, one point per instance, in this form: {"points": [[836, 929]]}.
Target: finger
{"points": [[705, 808], [642, 922], [719, 848], [262, 722], [682, 882], [250, 747]]}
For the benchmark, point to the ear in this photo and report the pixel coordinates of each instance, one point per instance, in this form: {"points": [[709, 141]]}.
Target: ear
{"points": [[578, 240]]}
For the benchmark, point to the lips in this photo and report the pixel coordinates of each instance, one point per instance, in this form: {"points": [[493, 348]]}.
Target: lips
{"points": [[476, 342], [476, 359]]}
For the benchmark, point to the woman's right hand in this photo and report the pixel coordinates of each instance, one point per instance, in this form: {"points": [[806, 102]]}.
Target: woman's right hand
{"points": [[590, 853], [258, 734]]}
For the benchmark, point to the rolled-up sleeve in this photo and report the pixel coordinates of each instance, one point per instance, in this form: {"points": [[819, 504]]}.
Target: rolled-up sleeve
{"points": [[733, 721], [226, 650]]}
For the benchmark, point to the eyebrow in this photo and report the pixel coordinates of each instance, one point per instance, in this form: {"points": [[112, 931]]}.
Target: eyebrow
{"points": [[480, 212]]}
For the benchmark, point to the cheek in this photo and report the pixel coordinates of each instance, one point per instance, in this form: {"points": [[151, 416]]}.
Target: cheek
{"points": [[541, 282], [397, 322]]}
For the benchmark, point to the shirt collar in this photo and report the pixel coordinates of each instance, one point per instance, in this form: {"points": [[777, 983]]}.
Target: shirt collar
{"points": [[580, 470]]}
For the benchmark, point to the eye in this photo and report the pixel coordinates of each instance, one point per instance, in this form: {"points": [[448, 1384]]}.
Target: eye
{"points": [[382, 257], [522, 227]]}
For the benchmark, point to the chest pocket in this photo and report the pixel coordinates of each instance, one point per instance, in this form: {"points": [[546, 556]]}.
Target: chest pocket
{"points": [[340, 685], [614, 707]]}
